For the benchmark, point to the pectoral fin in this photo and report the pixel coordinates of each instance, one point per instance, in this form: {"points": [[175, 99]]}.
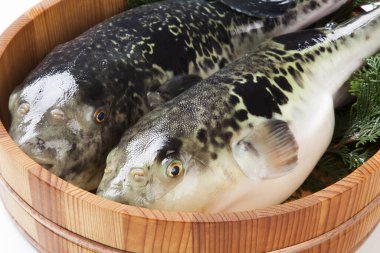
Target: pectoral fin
{"points": [[260, 8], [269, 151], [171, 89]]}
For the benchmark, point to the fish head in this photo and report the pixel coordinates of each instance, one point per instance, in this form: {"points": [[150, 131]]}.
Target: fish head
{"points": [[56, 127], [157, 170]]}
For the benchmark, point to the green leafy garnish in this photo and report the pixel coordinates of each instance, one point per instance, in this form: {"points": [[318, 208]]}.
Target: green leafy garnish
{"points": [[357, 131]]}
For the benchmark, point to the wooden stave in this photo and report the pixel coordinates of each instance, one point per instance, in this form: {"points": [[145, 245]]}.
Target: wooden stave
{"points": [[38, 185]]}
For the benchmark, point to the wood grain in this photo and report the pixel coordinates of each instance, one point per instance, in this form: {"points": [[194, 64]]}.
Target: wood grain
{"points": [[59, 217]]}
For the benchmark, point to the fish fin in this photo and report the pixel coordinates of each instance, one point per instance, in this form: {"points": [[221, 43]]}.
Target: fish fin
{"points": [[171, 89], [261, 9], [269, 151], [154, 99]]}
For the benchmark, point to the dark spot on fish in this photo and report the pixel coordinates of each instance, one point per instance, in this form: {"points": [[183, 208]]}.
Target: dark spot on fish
{"points": [[299, 67], [322, 49], [300, 40], [215, 143], [292, 71], [234, 100], [305, 9], [288, 59], [256, 98], [173, 144], [336, 44], [226, 137], [214, 156], [223, 62], [208, 63], [275, 70], [310, 57], [268, 25], [283, 71], [137, 100], [283, 83], [274, 56], [329, 49], [163, 57], [202, 135], [140, 112], [298, 56], [277, 51], [313, 5], [241, 115], [279, 96], [231, 123], [290, 15]]}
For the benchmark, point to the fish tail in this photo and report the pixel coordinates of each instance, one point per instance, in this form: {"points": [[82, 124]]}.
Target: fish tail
{"points": [[360, 27], [307, 12], [352, 42]]}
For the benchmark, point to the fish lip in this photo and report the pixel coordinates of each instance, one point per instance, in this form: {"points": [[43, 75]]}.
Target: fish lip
{"points": [[43, 162], [113, 197], [47, 166]]}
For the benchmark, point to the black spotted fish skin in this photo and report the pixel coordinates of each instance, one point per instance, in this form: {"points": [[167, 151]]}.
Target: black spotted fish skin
{"points": [[116, 63], [286, 86], [264, 83]]}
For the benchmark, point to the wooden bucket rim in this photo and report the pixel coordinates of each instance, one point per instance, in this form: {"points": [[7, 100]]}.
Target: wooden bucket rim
{"points": [[357, 177]]}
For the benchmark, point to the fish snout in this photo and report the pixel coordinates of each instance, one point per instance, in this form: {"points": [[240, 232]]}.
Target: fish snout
{"points": [[36, 148], [13, 98], [112, 193]]}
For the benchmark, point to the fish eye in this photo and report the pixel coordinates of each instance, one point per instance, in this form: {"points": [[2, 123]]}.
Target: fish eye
{"points": [[100, 116], [174, 169]]}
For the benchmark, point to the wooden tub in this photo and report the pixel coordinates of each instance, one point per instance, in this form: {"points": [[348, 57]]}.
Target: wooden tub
{"points": [[58, 217]]}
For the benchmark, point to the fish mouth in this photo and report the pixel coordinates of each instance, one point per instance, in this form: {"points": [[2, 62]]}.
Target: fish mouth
{"points": [[46, 165], [43, 162], [112, 194]]}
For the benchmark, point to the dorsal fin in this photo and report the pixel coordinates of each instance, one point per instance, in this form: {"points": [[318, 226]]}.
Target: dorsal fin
{"points": [[260, 8], [171, 89]]}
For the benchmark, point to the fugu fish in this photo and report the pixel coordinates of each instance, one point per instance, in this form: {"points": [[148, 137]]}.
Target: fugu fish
{"points": [[247, 136], [73, 108]]}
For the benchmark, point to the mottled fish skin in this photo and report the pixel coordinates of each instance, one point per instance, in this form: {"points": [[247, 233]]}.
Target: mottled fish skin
{"points": [[247, 136], [111, 68]]}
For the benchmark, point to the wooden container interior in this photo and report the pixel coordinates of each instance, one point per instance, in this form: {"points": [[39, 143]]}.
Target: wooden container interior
{"points": [[59, 217]]}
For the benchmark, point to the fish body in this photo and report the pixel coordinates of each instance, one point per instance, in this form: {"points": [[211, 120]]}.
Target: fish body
{"points": [[247, 136], [73, 108]]}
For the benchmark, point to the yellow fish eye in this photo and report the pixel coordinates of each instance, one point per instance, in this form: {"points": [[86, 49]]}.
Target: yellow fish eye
{"points": [[100, 116], [174, 169]]}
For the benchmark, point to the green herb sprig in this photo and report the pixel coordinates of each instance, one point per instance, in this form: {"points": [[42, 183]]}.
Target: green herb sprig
{"points": [[357, 132]]}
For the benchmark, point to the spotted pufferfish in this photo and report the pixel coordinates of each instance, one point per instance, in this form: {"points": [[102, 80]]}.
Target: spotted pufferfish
{"points": [[73, 108], [247, 136]]}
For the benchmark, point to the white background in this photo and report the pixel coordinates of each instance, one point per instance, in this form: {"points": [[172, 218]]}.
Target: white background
{"points": [[11, 240]]}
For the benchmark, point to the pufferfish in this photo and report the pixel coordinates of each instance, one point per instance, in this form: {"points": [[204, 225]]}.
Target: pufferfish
{"points": [[73, 108], [247, 136]]}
